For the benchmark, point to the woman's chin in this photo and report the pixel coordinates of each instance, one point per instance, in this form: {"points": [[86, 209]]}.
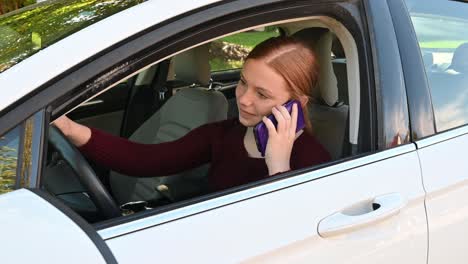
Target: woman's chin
{"points": [[248, 122]]}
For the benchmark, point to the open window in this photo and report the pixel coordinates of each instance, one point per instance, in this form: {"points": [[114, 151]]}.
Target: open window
{"points": [[169, 97]]}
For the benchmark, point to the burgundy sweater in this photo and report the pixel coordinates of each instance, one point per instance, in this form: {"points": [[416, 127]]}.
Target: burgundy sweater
{"points": [[220, 143]]}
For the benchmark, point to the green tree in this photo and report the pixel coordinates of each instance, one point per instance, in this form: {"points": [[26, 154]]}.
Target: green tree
{"points": [[12, 5], [8, 164], [31, 29]]}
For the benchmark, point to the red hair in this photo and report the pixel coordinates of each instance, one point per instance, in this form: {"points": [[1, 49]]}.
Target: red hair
{"points": [[295, 62]]}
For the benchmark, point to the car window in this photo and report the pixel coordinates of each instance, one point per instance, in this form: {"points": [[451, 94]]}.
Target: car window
{"points": [[163, 93], [442, 30], [229, 52], [9, 145]]}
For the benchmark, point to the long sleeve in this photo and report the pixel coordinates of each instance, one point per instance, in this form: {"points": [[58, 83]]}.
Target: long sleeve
{"points": [[308, 153], [149, 160]]}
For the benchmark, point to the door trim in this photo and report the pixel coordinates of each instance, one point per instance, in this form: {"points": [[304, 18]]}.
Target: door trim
{"points": [[81, 223], [133, 223]]}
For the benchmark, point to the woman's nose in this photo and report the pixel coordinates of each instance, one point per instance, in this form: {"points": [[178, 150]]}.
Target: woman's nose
{"points": [[245, 98]]}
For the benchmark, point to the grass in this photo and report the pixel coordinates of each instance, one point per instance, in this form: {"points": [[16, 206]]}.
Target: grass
{"points": [[249, 39], [442, 44]]}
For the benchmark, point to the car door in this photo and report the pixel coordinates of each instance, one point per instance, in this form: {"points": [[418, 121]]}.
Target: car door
{"points": [[367, 210], [34, 226], [364, 209], [440, 29]]}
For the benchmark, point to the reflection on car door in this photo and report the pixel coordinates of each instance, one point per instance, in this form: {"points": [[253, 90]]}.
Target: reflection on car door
{"points": [[438, 25], [367, 210]]}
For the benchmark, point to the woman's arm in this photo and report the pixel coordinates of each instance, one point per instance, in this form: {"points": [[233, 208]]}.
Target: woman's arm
{"points": [[145, 160]]}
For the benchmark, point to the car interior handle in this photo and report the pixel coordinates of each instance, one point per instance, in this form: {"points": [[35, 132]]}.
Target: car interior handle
{"points": [[361, 214]]}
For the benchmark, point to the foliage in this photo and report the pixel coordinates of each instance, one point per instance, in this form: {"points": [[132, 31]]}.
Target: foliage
{"points": [[245, 41], [8, 163], [12, 5], [31, 29], [249, 39]]}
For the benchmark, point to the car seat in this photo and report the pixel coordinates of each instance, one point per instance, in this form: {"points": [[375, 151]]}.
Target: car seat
{"points": [[328, 112], [187, 109]]}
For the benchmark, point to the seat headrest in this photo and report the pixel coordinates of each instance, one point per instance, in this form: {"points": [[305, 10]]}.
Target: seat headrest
{"points": [[193, 66], [320, 40], [460, 59]]}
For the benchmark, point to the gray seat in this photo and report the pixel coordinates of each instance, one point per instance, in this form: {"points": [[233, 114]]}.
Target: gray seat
{"points": [[185, 110], [449, 90], [328, 113]]}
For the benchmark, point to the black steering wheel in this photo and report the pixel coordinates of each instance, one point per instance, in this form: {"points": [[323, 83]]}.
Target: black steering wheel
{"points": [[86, 175]]}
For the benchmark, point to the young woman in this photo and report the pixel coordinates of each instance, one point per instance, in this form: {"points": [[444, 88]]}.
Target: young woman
{"points": [[277, 70]]}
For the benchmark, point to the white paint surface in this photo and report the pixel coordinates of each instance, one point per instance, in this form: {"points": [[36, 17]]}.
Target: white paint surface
{"points": [[281, 227], [33, 231], [52, 61], [445, 170]]}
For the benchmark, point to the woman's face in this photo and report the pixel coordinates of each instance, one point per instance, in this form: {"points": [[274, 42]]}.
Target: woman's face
{"points": [[259, 89]]}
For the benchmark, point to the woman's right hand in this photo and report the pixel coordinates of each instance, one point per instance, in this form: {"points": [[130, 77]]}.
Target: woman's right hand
{"points": [[76, 133]]}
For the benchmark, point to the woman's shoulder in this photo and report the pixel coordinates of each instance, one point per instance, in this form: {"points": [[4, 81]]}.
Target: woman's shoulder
{"points": [[226, 124]]}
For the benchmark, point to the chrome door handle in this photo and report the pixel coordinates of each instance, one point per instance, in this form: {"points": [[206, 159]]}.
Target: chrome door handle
{"points": [[361, 214]]}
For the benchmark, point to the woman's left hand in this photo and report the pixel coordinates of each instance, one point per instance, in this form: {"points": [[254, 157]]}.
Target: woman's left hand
{"points": [[280, 139]]}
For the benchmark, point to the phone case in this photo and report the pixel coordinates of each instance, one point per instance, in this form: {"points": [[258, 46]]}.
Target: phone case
{"points": [[261, 131]]}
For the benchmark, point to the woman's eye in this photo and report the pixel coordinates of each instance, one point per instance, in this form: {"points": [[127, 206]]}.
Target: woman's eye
{"points": [[261, 95]]}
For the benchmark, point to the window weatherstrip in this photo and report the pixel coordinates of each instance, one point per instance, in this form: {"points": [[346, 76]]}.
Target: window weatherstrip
{"points": [[38, 137], [441, 137], [196, 208]]}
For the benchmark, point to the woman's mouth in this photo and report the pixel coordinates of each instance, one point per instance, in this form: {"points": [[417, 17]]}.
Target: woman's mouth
{"points": [[245, 113]]}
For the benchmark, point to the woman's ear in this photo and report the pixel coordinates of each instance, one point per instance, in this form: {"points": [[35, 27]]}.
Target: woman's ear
{"points": [[304, 100]]}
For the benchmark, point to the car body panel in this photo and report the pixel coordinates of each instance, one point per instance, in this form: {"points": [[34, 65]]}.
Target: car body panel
{"points": [[282, 226], [33, 230], [444, 166], [65, 54]]}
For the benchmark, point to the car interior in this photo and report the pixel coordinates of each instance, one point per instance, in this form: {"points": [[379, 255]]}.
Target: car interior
{"points": [[166, 100]]}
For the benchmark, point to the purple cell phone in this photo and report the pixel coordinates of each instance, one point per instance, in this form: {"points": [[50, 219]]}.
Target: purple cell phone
{"points": [[261, 131]]}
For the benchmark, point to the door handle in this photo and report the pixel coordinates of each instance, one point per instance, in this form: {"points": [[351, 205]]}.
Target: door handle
{"points": [[362, 214]]}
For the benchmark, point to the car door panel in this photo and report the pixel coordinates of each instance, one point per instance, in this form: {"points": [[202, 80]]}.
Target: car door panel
{"points": [[32, 228], [444, 166], [282, 226]]}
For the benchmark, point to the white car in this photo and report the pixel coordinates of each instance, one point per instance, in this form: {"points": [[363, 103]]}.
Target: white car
{"points": [[392, 111]]}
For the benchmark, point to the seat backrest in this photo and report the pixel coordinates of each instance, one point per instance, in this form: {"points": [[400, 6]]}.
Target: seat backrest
{"points": [[187, 109], [449, 90], [193, 66], [329, 115], [460, 59]]}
